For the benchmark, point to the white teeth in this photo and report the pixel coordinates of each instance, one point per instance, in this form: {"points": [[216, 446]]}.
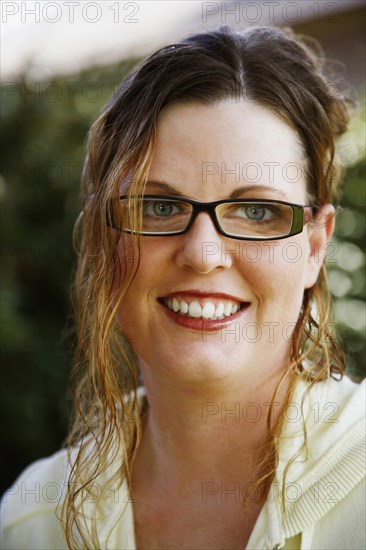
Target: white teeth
{"points": [[206, 311], [219, 310], [195, 309], [184, 307], [227, 309]]}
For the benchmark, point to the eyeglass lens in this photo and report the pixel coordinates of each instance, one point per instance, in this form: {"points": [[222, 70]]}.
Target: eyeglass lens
{"points": [[249, 219]]}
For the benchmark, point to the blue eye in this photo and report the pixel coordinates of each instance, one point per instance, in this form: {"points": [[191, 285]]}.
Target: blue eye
{"points": [[160, 209], [255, 212], [161, 216]]}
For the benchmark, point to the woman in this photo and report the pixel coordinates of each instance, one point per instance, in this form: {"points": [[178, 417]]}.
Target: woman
{"points": [[208, 191]]}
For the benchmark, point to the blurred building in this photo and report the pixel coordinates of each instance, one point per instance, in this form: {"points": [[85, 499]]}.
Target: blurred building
{"points": [[44, 40]]}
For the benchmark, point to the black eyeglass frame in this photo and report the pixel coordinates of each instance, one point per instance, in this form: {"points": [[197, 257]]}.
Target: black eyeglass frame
{"points": [[301, 215]]}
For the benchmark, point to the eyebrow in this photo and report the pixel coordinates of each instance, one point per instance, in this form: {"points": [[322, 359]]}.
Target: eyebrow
{"points": [[237, 193]]}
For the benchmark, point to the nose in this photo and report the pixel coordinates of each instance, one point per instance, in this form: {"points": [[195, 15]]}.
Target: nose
{"points": [[202, 248]]}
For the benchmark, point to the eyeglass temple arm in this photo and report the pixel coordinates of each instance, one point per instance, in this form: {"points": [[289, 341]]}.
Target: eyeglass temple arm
{"points": [[313, 211]]}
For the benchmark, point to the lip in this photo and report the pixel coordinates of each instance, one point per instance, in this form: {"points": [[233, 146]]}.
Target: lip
{"points": [[204, 295], [203, 325]]}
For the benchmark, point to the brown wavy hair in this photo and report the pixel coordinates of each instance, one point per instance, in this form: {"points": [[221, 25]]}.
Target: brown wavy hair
{"points": [[269, 66]]}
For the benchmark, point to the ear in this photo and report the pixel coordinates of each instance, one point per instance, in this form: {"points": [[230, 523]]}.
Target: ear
{"points": [[320, 231]]}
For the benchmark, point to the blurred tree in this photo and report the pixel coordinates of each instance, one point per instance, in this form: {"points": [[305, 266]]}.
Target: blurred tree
{"points": [[347, 269], [42, 147]]}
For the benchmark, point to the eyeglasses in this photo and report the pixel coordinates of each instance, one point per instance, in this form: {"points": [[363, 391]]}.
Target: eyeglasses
{"points": [[245, 219]]}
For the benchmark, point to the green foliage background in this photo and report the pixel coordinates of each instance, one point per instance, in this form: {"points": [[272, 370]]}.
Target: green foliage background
{"points": [[42, 147]]}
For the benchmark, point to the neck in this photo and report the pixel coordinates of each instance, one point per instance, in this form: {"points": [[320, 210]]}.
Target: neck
{"points": [[206, 431]]}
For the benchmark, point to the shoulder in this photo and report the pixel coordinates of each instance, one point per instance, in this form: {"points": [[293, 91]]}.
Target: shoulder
{"points": [[341, 527], [29, 507], [336, 416], [326, 480], [341, 391], [333, 415], [344, 391], [331, 410]]}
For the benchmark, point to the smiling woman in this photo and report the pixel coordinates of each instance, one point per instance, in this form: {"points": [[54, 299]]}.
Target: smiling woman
{"points": [[270, 291], [209, 190]]}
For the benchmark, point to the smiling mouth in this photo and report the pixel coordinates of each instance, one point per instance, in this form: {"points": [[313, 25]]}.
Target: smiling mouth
{"points": [[204, 309]]}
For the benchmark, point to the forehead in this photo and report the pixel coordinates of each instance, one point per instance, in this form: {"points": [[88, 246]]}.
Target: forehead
{"points": [[214, 147]]}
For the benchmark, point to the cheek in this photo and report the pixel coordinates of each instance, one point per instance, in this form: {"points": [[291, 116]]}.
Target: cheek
{"points": [[275, 270], [128, 255], [140, 271], [137, 264]]}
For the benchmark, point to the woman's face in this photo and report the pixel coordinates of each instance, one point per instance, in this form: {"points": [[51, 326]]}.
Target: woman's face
{"points": [[208, 153]]}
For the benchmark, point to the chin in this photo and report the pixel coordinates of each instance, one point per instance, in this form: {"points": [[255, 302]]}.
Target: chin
{"points": [[202, 363]]}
